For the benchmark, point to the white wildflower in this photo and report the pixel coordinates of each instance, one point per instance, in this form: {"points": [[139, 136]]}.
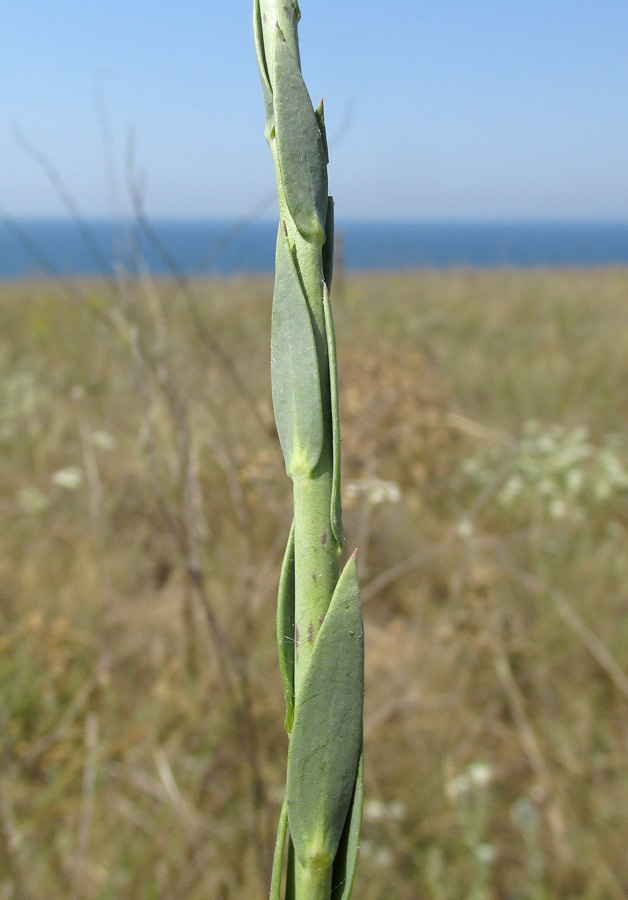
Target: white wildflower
{"points": [[485, 854], [465, 528], [374, 810], [375, 490], [70, 478], [558, 509], [377, 811], [513, 488], [480, 774], [102, 439], [574, 481], [457, 786], [383, 858], [546, 442], [396, 810]]}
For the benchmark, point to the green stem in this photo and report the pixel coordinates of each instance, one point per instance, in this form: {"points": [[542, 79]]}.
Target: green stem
{"points": [[312, 882], [324, 676], [316, 550], [316, 560]]}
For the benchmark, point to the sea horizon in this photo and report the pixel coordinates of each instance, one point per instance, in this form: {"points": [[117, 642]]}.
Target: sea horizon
{"points": [[60, 247]]}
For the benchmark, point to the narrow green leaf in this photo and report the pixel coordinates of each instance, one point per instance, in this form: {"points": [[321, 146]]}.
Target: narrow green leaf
{"points": [[326, 738], [275, 882], [291, 887], [328, 246], [336, 502], [346, 859], [300, 148], [262, 66], [294, 368], [285, 628], [320, 115]]}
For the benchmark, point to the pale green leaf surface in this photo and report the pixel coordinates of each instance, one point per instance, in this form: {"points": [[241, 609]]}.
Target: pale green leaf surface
{"points": [[320, 116], [262, 66], [285, 627], [326, 738], [328, 246], [336, 503], [300, 148], [291, 888], [346, 859], [275, 882], [294, 368]]}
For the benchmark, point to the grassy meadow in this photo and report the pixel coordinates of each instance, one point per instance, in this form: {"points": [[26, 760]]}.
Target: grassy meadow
{"points": [[145, 510]]}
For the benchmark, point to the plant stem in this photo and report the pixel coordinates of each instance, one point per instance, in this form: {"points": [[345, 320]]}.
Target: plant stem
{"points": [[322, 663], [312, 882], [316, 561]]}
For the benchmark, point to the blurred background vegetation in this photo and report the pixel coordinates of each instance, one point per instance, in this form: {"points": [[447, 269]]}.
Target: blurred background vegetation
{"points": [[145, 510]]}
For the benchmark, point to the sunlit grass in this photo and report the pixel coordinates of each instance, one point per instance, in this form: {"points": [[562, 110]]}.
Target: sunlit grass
{"points": [[496, 624]]}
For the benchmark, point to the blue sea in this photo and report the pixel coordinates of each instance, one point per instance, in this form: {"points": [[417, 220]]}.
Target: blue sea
{"points": [[31, 248]]}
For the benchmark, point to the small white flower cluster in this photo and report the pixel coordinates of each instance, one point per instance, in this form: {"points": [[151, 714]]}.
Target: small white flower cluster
{"points": [[31, 500], [102, 439], [70, 478], [375, 490], [378, 811], [556, 469], [379, 857], [476, 777], [486, 854]]}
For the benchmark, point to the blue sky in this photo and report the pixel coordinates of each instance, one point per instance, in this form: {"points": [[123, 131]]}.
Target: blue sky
{"points": [[493, 109]]}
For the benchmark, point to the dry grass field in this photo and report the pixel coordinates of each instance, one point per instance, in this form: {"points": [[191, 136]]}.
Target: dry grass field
{"points": [[145, 510]]}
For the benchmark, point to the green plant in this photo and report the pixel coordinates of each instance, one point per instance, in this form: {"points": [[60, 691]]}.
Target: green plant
{"points": [[319, 621]]}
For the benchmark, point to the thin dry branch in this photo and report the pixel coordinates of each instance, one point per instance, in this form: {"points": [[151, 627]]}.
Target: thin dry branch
{"points": [[531, 745], [598, 650]]}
